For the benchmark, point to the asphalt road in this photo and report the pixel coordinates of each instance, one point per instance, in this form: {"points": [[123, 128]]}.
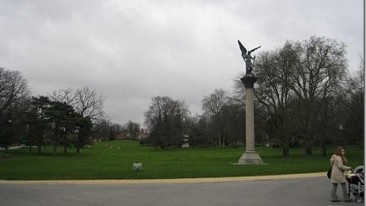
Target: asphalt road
{"points": [[299, 191]]}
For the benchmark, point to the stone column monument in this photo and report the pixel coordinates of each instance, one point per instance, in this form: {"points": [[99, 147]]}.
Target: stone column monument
{"points": [[250, 156]]}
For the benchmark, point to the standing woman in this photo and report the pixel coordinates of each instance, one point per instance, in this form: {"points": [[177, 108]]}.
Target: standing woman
{"points": [[339, 162]]}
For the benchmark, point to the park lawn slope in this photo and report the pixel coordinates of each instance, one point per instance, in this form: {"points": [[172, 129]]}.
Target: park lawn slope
{"points": [[114, 159]]}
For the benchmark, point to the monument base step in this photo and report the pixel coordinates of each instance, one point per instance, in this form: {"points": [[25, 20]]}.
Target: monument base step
{"points": [[250, 158]]}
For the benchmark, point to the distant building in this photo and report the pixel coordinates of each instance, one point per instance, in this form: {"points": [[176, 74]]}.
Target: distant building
{"points": [[142, 134]]}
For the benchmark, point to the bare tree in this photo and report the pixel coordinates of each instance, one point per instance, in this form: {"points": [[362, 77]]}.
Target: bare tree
{"points": [[89, 103], [85, 101], [353, 124], [13, 88], [165, 121], [132, 129], [274, 93], [14, 94], [316, 76], [102, 130], [212, 106], [64, 95]]}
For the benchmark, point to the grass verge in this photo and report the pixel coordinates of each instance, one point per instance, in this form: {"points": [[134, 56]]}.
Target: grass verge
{"points": [[113, 160]]}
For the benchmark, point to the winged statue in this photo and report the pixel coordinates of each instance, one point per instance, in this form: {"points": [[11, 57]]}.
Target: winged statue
{"points": [[247, 57]]}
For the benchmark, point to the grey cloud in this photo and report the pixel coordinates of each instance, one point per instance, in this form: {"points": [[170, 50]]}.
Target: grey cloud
{"points": [[131, 51]]}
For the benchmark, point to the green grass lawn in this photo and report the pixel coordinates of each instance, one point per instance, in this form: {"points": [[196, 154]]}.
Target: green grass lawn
{"points": [[115, 162]]}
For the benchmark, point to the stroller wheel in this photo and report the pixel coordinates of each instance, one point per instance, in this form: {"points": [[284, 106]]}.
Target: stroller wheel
{"points": [[358, 199]]}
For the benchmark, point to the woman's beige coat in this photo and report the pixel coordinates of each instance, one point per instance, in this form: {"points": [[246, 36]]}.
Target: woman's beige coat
{"points": [[338, 169]]}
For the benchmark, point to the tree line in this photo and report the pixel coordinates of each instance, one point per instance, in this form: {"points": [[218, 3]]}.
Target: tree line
{"points": [[304, 97], [65, 118]]}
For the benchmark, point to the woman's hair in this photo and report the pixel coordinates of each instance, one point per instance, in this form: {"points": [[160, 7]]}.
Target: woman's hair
{"points": [[338, 152]]}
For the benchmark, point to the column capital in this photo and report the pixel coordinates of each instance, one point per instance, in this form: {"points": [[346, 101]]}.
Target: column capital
{"points": [[248, 80]]}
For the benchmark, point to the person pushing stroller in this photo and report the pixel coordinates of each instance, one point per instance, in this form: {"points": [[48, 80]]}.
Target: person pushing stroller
{"points": [[339, 162]]}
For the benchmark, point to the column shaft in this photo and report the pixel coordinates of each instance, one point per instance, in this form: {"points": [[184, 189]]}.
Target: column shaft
{"points": [[249, 118]]}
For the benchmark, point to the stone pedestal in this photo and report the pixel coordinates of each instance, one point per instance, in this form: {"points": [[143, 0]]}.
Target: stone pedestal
{"points": [[250, 156]]}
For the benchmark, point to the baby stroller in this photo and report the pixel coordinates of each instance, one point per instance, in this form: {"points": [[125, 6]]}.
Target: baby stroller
{"points": [[356, 182]]}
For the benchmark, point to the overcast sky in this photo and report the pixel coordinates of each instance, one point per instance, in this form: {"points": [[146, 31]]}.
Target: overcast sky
{"points": [[133, 50]]}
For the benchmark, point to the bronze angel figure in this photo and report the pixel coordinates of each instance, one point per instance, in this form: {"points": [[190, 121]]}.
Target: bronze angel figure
{"points": [[247, 57]]}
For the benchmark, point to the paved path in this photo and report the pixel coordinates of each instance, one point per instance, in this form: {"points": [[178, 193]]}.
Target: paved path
{"points": [[285, 190]]}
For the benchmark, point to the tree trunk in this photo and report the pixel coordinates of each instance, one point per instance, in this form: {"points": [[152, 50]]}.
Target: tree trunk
{"points": [[286, 151], [54, 148], [219, 140], [39, 149], [30, 147], [324, 150], [309, 149], [79, 143]]}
